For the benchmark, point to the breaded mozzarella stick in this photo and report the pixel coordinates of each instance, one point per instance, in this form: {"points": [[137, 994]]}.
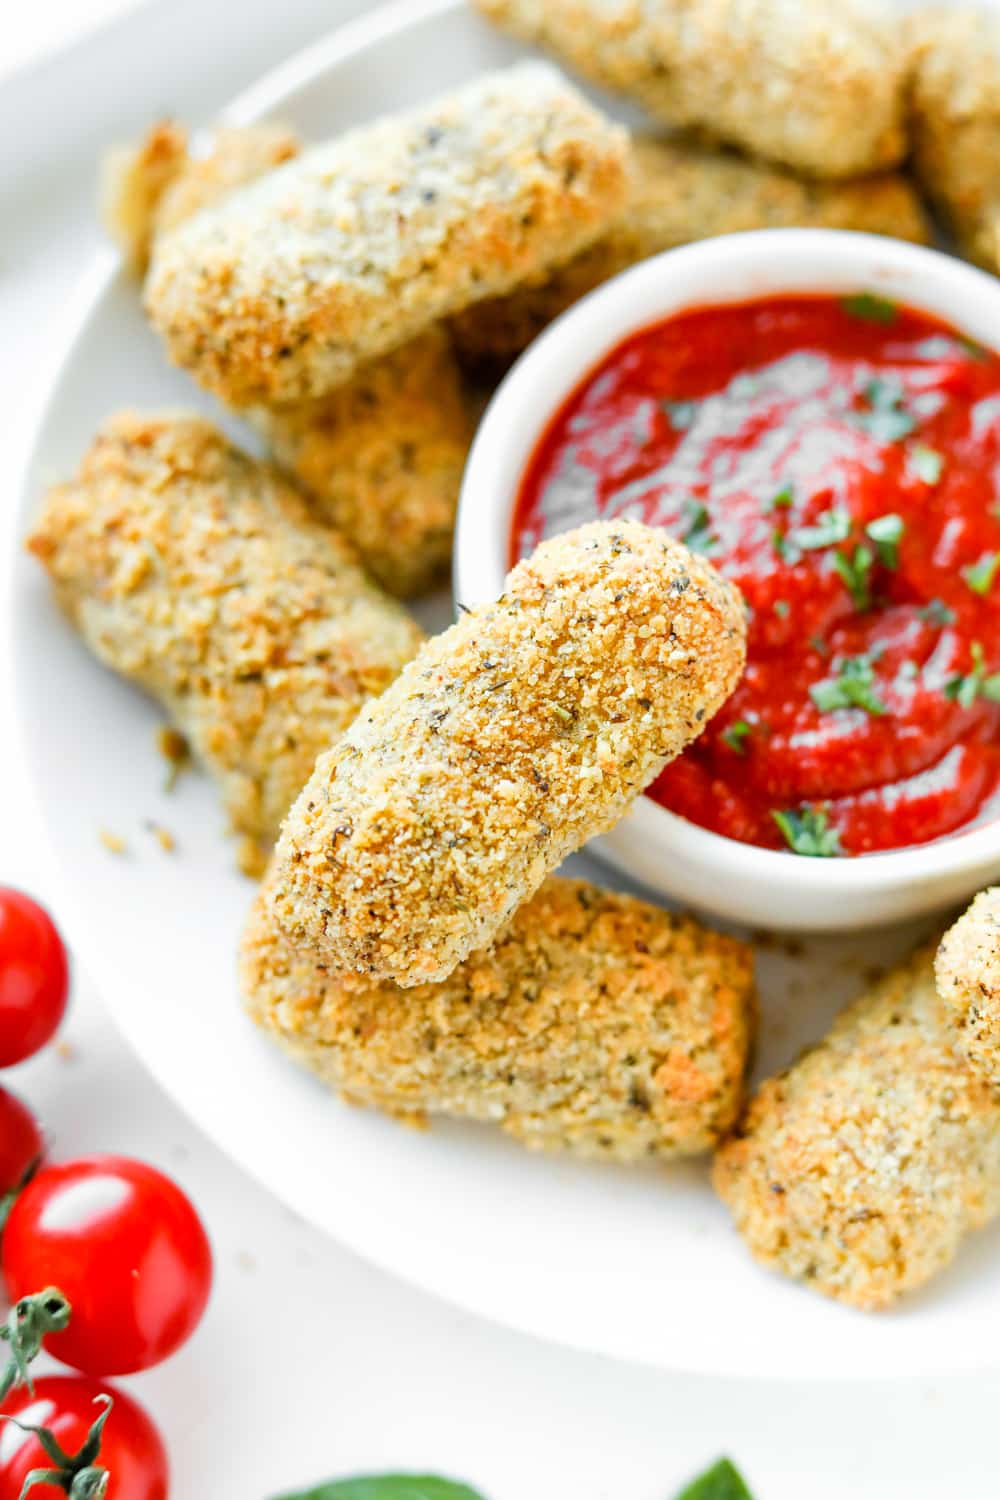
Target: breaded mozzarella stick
{"points": [[519, 733], [285, 287], [861, 1169], [596, 1024], [150, 188], [382, 458], [812, 84], [955, 123], [968, 979], [196, 572], [683, 192]]}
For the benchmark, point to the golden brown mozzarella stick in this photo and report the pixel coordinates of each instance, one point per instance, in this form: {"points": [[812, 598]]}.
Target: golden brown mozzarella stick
{"points": [[196, 572], [955, 123], [968, 978], [813, 84], [683, 192], [516, 735], [282, 289], [596, 1024], [860, 1170], [149, 189], [382, 458]]}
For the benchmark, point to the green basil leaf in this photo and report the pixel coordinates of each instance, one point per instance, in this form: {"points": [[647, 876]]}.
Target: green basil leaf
{"points": [[885, 532], [387, 1487], [855, 572], [698, 534], [936, 612], [979, 576], [781, 501], [852, 687], [807, 831], [926, 463], [735, 734], [723, 1481], [831, 526], [886, 418], [871, 308]]}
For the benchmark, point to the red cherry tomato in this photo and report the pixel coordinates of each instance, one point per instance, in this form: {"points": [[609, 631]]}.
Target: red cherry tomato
{"points": [[124, 1244], [131, 1448], [34, 977], [21, 1142]]}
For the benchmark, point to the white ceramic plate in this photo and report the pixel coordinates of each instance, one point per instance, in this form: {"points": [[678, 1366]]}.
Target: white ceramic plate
{"points": [[643, 1265]]}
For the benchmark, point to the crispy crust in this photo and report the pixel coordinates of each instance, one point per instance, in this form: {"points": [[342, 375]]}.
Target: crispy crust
{"points": [[597, 1025], [236, 155], [518, 734], [861, 1169], [955, 123], [812, 84], [683, 192], [968, 979], [284, 288], [382, 459], [196, 572]]}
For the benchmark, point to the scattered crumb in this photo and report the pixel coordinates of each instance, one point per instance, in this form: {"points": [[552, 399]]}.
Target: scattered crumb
{"points": [[113, 842], [175, 750], [250, 858], [65, 1051], [163, 836]]}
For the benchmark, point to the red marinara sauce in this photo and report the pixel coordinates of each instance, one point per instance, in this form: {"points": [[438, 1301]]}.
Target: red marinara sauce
{"points": [[839, 459]]}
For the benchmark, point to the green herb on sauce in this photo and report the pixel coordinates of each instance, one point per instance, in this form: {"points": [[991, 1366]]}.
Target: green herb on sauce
{"points": [[965, 688], [885, 418], [680, 413], [782, 608], [781, 501], [807, 831], [723, 1481], [871, 308], [936, 612], [785, 547], [698, 533], [831, 526], [735, 734], [852, 687], [885, 532], [926, 463], [856, 574], [979, 576]]}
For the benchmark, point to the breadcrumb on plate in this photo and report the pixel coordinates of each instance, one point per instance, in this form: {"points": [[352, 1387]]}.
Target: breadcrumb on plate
{"points": [[196, 572], [816, 85], [683, 192], [519, 733], [381, 458], [281, 290], [861, 1169], [596, 1024], [955, 122], [968, 979]]}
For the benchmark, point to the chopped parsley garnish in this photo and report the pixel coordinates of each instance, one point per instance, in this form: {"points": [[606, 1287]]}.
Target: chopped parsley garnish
{"points": [[856, 574], [721, 1482], [886, 418], [965, 689], [698, 534], [781, 501], [871, 308], [936, 612], [735, 734], [885, 532], [831, 526], [979, 576], [926, 463], [680, 413], [852, 687], [807, 830], [785, 547]]}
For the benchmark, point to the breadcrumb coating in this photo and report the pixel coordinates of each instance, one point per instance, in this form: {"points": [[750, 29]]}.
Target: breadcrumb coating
{"points": [[519, 733], [683, 192], [968, 979], [596, 1024], [152, 187], [382, 458], [283, 288], [955, 123], [196, 572], [861, 1169], [816, 85]]}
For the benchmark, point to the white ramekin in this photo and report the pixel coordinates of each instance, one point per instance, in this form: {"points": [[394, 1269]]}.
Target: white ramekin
{"points": [[738, 881]]}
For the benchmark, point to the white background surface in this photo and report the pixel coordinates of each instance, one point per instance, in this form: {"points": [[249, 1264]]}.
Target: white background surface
{"points": [[309, 1363]]}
